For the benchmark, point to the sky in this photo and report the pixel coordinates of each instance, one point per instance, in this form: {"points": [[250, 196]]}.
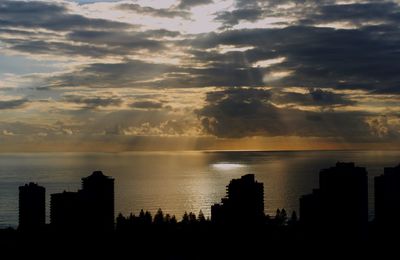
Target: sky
{"points": [[111, 76]]}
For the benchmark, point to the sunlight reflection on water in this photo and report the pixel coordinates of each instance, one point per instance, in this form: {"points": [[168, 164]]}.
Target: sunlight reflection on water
{"points": [[227, 166]]}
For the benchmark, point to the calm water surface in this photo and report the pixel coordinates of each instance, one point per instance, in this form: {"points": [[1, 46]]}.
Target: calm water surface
{"points": [[179, 181]]}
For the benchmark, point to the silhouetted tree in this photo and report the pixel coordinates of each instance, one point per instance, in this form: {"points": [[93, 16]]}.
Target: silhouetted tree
{"points": [[278, 214], [185, 218], [147, 218], [173, 220], [159, 217], [167, 219], [192, 218], [283, 215], [142, 217], [201, 217], [121, 222], [120, 217]]}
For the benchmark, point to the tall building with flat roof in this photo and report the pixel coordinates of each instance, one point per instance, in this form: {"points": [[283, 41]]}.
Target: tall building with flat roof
{"points": [[310, 207], [244, 203], [387, 196], [32, 207], [66, 211], [89, 209], [98, 201], [341, 202]]}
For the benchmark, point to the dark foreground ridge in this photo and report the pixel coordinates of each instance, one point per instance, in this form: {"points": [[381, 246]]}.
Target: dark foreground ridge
{"points": [[333, 217]]}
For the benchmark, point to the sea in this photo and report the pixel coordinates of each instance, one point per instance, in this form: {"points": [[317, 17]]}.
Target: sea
{"points": [[180, 181]]}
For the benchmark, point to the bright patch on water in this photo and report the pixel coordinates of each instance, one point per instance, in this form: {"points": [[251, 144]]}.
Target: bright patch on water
{"points": [[227, 166]]}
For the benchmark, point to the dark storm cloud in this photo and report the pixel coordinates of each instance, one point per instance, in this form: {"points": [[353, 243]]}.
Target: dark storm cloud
{"points": [[314, 97], [253, 10], [133, 73], [60, 48], [127, 40], [356, 13], [147, 10], [136, 73], [180, 10], [232, 18], [311, 12], [242, 112], [363, 58], [224, 75], [12, 104], [187, 4], [221, 76], [17, 32], [71, 34], [92, 102], [147, 104], [51, 16], [156, 34], [93, 43]]}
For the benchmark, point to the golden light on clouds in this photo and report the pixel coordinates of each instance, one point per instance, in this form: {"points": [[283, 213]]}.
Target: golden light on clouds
{"points": [[198, 75], [276, 75]]}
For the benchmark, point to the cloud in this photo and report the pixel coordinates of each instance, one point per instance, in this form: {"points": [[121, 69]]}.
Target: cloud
{"points": [[314, 97], [93, 43], [187, 4], [147, 104], [364, 58], [356, 13], [240, 112], [162, 12], [231, 18], [132, 73], [166, 128], [18, 128], [51, 16], [314, 57], [325, 69], [92, 102], [7, 133], [45, 28], [62, 49], [13, 104], [142, 122], [127, 40], [311, 57]]}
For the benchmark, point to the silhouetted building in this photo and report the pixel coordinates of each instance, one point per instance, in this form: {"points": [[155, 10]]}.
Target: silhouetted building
{"points": [[341, 202], [98, 202], [387, 197], [32, 207], [310, 206], [244, 203], [89, 209], [66, 211]]}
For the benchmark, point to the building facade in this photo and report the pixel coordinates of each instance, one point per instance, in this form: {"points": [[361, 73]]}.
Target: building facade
{"points": [[387, 197], [244, 203], [32, 207], [341, 202]]}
